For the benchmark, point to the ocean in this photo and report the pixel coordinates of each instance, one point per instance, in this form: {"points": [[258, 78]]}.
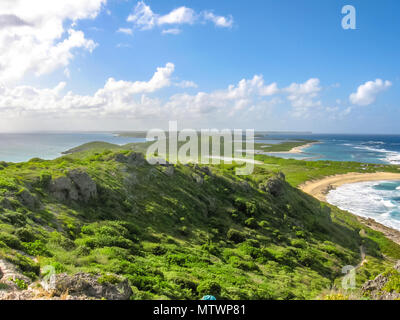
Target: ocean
{"points": [[20, 147], [377, 200], [379, 149]]}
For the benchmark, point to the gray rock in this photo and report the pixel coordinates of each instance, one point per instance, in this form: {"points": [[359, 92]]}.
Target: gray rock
{"points": [[77, 186], [274, 185], [63, 189], [133, 158], [375, 288], [84, 284], [84, 184]]}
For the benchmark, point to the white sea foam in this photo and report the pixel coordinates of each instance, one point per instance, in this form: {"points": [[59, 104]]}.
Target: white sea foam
{"points": [[388, 156], [366, 200]]}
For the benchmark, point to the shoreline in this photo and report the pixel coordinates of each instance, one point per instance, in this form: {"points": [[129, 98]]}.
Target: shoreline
{"points": [[320, 188], [298, 149]]}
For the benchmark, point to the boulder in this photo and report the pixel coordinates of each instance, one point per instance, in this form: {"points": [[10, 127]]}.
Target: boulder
{"points": [[274, 185], [63, 189], [375, 288], [84, 284], [76, 186], [86, 187], [133, 158]]}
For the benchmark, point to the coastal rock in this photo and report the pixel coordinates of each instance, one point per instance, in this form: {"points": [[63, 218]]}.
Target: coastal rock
{"points": [[63, 189], [133, 158], [375, 288], [274, 185], [77, 186], [10, 272], [86, 187], [84, 284]]}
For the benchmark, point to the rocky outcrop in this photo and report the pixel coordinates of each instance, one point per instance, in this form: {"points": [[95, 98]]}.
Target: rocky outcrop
{"points": [[376, 288], [84, 184], [76, 186], [133, 158], [274, 185], [84, 284], [9, 273]]}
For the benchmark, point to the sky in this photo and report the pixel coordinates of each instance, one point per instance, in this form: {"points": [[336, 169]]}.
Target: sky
{"points": [[286, 65]]}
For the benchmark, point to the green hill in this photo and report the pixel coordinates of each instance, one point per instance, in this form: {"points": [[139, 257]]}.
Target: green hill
{"points": [[179, 232]]}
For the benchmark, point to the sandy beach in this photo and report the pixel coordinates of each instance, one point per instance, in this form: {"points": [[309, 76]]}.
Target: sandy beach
{"points": [[298, 149], [320, 188]]}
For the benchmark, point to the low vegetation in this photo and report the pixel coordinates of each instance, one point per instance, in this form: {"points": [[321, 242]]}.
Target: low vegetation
{"points": [[180, 232]]}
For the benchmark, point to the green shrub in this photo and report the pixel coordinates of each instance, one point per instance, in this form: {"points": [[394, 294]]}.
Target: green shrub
{"points": [[36, 248], [109, 278], [235, 236], [25, 234], [10, 240], [251, 223], [21, 284], [209, 288]]}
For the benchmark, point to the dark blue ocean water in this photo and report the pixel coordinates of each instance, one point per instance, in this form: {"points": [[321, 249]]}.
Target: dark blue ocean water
{"points": [[19, 147], [381, 149]]}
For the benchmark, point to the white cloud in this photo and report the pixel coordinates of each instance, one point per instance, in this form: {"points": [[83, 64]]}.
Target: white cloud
{"points": [[366, 93], [125, 31], [171, 31], [186, 84], [144, 18], [302, 95], [33, 37], [219, 21], [178, 16]]}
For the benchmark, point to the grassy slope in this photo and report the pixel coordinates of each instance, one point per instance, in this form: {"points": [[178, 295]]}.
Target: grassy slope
{"points": [[175, 238]]}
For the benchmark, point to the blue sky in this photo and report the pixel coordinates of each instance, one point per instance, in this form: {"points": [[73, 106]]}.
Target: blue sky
{"points": [[286, 42]]}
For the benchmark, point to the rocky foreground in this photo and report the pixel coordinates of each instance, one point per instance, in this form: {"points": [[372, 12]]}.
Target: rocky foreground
{"points": [[81, 286]]}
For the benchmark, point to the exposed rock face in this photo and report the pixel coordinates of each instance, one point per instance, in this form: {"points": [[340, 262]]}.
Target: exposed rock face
{"points": [[134, 158], [85, 186], [9, 271], [83, 284], [274, 185], [375, 288], [77, 186]]}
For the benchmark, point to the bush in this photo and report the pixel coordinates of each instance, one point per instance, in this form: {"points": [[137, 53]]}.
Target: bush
{"points": [[10, 240], [251, 223], [158, 250], [25, 234], [235, 236], [209, 288]]}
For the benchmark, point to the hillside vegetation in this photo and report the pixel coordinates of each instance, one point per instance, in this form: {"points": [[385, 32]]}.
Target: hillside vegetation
{"points": [[180, 232]]}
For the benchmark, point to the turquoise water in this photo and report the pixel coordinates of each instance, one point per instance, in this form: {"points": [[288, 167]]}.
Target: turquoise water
{"points": [[379, 149], [377, 200], [19, 147]]}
